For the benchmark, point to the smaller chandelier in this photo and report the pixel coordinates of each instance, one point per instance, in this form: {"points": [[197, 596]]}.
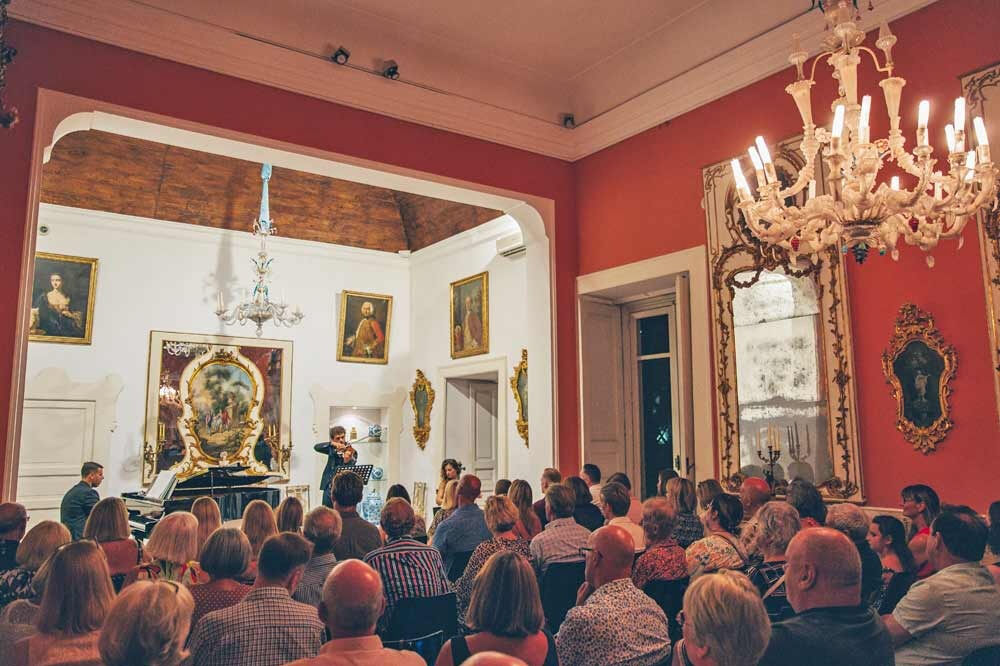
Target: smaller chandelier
{"points": [[257, 306], [857, 213]]}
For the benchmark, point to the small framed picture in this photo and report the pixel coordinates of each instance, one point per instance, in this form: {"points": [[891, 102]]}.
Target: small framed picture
{"points": [[470, 316], [364, 327], [62, 299]]}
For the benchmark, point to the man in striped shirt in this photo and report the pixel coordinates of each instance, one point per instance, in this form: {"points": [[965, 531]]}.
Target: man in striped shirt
{"points": [[408, 568]]}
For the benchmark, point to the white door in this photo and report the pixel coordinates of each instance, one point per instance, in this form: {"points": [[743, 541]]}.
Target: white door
{"points": [[601, 385], [471, 427]]}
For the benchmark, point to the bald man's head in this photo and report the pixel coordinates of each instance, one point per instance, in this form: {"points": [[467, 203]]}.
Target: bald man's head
{"points": [[754, 493], [823, 570], [611, 555], [469, 488], [352, 599], [493, 659]]}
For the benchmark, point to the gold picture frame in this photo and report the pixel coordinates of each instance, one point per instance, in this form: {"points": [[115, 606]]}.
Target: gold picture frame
{"points": [[377, 324], [519, 385], [919, 366], [470, 316], [422, 400], [53, 318]]}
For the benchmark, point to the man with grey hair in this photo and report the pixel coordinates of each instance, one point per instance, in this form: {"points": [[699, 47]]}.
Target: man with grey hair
{"points": [[13, 522], [562, 537], [322, 529], [853, 522], [352, 603]]}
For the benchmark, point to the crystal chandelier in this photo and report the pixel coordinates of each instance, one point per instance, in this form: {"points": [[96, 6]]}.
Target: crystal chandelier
{"points": [[858, 213], [258, 306]]}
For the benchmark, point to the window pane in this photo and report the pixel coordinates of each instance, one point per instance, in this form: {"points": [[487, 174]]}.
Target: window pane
{"points": [[657, 420], [653, 336]]}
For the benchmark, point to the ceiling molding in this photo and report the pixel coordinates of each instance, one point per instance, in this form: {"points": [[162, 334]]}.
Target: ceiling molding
{"points": [[147, 30]]}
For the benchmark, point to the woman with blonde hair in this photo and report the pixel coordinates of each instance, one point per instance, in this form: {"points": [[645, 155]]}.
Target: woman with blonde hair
{"points": [[258, 525], [108, 526], [447, 506], [148, 625], [706, 491], [289, 515], [528, 524], [37, 545], [77, 597], [173, 549], [206, 510], [505, 612], [682, 494]]}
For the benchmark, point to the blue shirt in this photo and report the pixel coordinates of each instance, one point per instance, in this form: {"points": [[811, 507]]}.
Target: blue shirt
{"points": [[460, 532]]}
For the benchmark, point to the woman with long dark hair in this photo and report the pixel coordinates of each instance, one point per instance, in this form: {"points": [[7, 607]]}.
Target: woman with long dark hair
{"points": [[451, 469], [887, 537], [994, 539], [921, 505], [720, 549]]}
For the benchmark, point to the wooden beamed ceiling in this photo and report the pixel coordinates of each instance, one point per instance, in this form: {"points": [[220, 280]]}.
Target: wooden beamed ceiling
{"points": [[109, 172]]}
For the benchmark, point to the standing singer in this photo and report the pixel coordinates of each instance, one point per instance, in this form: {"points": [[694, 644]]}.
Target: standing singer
{"points": [[339, 454]]}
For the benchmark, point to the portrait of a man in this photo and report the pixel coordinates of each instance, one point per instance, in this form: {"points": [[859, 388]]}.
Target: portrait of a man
{"points": [[364, 327], [470, 331], [62, 299]]}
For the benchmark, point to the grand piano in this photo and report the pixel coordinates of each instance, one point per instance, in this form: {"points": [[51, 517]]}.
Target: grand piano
{"points": [[230, 486]]}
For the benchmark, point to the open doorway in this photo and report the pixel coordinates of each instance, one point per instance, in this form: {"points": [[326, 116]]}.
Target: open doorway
{"points": [[471, 425]]}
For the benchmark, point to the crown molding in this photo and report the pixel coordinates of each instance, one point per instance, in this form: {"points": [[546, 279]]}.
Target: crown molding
{"points": [[145, 29]]}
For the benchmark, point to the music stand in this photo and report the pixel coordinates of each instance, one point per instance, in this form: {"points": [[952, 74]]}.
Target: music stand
{"points": [[364, 471]]}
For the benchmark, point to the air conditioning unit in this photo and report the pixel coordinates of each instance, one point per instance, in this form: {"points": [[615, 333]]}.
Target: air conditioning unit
{"points": [[510, 246]]}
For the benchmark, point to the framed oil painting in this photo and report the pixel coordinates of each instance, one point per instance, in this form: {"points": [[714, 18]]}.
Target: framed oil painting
{"points": [[470, 316], [216, 400], [62, 299], [364, 327]]}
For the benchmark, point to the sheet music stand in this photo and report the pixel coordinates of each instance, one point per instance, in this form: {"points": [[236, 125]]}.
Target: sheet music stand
{"points": [[364, 471]]}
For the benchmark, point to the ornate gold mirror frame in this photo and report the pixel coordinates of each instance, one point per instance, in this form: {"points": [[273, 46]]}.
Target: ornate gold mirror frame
{"points": [[422, 400], [519, 385], [737, 261]]}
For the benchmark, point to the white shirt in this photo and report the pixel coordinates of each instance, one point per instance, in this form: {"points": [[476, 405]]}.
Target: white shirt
{"points": [[638, 536], [595, 492]]}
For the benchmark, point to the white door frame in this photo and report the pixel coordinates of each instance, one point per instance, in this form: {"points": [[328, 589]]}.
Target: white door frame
{"points": [[496, 365]]}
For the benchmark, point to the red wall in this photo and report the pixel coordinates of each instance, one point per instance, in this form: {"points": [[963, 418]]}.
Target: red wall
{"points": [[641, 198]]}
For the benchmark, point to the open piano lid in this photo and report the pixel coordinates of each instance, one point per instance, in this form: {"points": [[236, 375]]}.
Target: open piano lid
{"points": [[223, 477]]}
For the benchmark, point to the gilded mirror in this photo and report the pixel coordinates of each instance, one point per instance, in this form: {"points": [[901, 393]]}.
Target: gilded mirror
{"points": [[421, 400], [519, 385]]}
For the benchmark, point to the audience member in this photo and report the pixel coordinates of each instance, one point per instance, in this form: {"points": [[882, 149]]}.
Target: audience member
{"points": [[616, 503], [921, 505], [778, 523], [448, 507], [725, 623], [77, 597], [259, 525], [613, 621], [37, 545], [322, 529], [148, 625], [688, 528], [108, 526], [662, 477], [955, 611], [267, 627], [466, 528], [528, 524], [562, 537], [853, 522], [501, 487], [719, 549], [13, 523], [81, 498], [754, 493], [586, 512], [451, 469], [635, 506], [224, 558], [550, 476], [289, 515], [664, 558], [706, 491], [408, 568], [831, 625], [172, 549], [351, 606], [501, 516], [206, 510], [994, 540], [419, 525], [358, 537], [492, 658], [807, 501], [591, 473], [504, 614], [887, 537]]}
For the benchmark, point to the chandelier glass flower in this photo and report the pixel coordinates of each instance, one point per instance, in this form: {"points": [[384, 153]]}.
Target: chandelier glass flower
{"points": [[859, 213], [257, 306]]}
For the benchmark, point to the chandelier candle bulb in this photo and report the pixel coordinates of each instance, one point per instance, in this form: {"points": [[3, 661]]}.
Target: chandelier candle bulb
{"points": [[937, 191], [742, 189], [982, 140], [765, 156], [812, 189], [949, 135], [894, 183], [758, 167], [838, 128], [864, 131], [923, 115]]}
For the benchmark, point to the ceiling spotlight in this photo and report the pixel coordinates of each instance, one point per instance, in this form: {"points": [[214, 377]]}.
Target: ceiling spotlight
{"points": [[390, 69], [568, 121], [341, 56]]}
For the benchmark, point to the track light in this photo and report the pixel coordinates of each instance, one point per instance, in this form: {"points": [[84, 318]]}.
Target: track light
{"points": [[341, 56], [568, 121], [390, 69]]}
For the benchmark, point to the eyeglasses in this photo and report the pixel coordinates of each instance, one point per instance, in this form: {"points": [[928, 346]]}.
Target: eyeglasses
{"points": [[584, 550], [680, 618]]}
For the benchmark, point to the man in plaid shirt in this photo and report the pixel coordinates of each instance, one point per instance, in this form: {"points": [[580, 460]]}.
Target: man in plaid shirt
{"points": [[267, 628]]}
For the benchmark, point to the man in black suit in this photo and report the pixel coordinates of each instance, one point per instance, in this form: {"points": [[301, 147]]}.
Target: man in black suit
{"points": [[81, 498], [335, 459]]}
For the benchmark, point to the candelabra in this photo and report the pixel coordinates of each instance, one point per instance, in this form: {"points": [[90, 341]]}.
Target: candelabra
{"points": [[281, 454], [796, 451], [770, 459]]}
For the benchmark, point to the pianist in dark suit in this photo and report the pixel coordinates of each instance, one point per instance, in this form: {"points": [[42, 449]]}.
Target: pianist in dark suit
{"points": [[338, 454], [81, 498]]}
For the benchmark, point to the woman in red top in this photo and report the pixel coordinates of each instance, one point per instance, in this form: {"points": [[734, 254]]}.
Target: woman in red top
{"points": [[108, 526], [225, 557], [663, 558], [921, 505]]}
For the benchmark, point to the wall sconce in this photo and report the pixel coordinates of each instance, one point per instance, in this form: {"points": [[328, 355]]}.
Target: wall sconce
{"points": [[390, 69], [341, 56], [568, 121]]}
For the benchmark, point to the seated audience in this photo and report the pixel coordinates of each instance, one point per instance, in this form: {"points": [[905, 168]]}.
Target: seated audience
{"points": [[528, 524], [994, 540], [562, 537], [259, 525], [706, 491], [831, 625], [550, 476], [451, 469], [358, 537], [408, 568], [887, 538], [664, 558], [172, 550], [13, 523], [688, 527], [501, 516], [206, 510], [505, 615], [419, 525], [586, 512], [501, 487], [921, 505], [322, 529], [616, 505], [466, 528], [77, 597], [724, 622], [148, 625], [778, 523], [19, 617], [808, 502], [37, 545], [267, 628], [224, 558], [635, 506], [754, 494], [289, 515], [351, 606], [613, 622], [853, 522], [448, 505], [108, 526], [662, 478], [955, 611], [591, 474], [719, 549]]}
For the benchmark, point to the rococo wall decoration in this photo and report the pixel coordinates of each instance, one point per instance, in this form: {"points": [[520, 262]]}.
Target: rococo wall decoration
{"points": [[8, 116], [519, 385], [422, 400], [919, 366]]}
